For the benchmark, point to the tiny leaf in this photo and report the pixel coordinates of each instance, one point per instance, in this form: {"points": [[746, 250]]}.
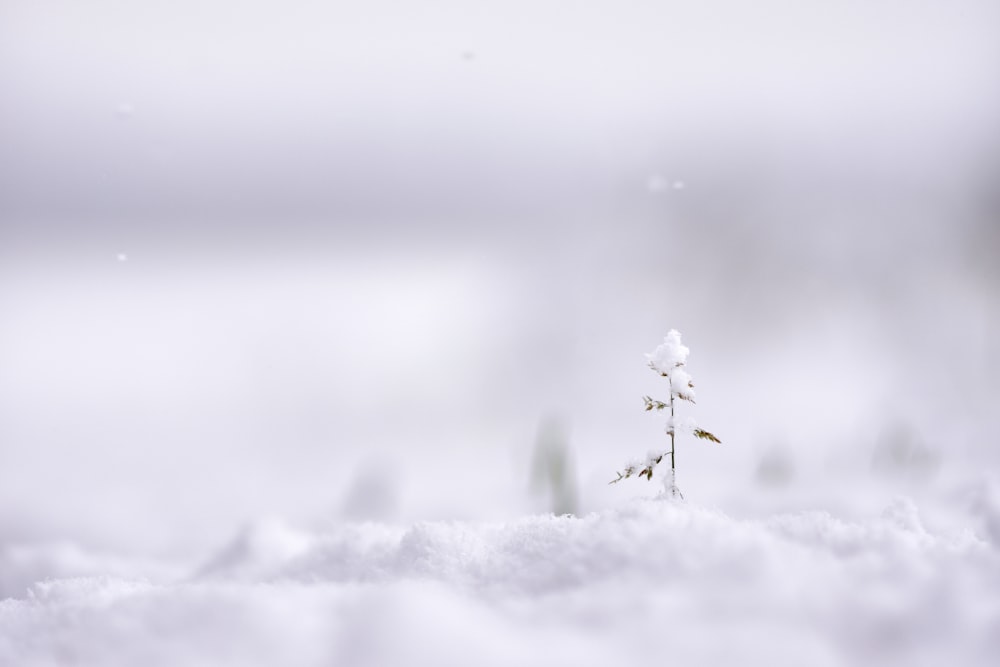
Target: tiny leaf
{"points": [[705, 435]]}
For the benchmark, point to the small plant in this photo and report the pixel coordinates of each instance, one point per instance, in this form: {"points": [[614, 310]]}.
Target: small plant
{"points": [[668, 361]]}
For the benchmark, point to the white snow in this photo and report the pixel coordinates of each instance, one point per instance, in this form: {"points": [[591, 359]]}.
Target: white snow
{"points": [[654, 454], [622, 586], [669, 354], [681, 383], [657, 184], [678, 424]]}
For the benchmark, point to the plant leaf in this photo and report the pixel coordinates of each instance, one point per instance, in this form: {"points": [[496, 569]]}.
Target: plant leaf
{"points": [[705, 435]]}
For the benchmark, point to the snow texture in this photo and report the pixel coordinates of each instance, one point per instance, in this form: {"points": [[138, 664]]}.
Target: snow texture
{"points": [[669, 354], [622, 586], [668, 360]]}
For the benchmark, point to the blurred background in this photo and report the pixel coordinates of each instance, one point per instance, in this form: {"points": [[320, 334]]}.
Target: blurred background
{"points": [[397, 261]]}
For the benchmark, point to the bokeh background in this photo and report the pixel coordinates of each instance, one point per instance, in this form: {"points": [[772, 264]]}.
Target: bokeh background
{"points": [[397, 261]]}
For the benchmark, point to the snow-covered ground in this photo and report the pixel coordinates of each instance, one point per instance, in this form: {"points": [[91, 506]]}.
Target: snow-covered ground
{"points": [[387, 274], [653, 582]]}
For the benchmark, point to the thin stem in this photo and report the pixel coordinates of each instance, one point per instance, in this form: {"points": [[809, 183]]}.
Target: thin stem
{"points": [[674, 491], [672, 430]]}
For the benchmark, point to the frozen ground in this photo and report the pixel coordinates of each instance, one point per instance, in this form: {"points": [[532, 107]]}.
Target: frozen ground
{"points": [[652, 582]]}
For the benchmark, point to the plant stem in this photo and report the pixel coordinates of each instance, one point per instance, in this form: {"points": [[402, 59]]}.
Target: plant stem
{"points": [[673, 428], [674, 491]]}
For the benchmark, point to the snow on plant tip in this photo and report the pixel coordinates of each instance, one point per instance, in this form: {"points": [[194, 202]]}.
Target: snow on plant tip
{"points": [[668, 360]]}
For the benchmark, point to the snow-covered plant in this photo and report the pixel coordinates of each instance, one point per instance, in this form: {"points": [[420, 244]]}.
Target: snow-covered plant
{"points": [[668, 360]]}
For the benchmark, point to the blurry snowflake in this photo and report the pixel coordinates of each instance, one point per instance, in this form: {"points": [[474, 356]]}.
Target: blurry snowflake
{"points": [[657, 184]]}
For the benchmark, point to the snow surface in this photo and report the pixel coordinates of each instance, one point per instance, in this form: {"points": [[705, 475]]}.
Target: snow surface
{"points": [[651, 582]]}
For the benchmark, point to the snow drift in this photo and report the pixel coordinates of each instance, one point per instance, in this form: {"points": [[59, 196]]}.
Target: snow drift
{"points": [[651, 582]]}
